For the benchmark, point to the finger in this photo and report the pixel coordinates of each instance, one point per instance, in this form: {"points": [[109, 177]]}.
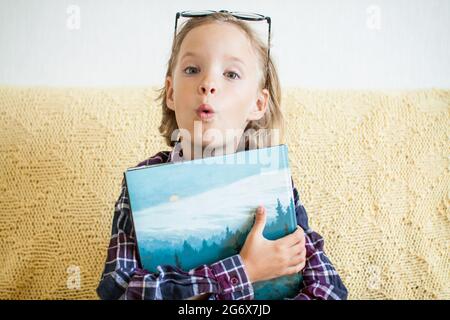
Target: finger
{"points": [[301, 266], [260, 220], [292, 238], [295, 269], [303, 237], [296, 249], [301, 241], [296, 260]]}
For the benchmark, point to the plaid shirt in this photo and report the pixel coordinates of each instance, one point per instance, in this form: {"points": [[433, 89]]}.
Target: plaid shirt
{"points": [[124, 277]]}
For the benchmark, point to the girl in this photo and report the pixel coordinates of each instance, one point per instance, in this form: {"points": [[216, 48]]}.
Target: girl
{"points": [[220, 82]]}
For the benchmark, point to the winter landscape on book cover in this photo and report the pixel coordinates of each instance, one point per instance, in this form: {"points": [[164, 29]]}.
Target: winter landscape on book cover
{"points": [[197, 212]]}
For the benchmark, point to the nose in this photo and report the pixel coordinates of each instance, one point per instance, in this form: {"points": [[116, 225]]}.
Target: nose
{"points": [[207, 87]]}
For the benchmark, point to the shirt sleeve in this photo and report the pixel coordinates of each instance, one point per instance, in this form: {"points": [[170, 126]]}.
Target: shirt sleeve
{"points": [[320, 278], [124, 278]]}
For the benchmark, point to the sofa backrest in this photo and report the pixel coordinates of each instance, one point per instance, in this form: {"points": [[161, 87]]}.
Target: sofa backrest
{"points": [[372, 170]]}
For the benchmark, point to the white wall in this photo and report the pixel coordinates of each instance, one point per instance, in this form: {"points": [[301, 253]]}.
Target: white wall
{"points": [[320, 44]]}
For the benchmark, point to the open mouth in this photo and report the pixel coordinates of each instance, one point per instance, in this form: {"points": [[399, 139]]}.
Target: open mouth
{"points": [[205, 112]]}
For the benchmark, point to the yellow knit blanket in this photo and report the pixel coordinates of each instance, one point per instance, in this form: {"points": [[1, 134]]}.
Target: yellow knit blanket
{"points": [[372, 169]]}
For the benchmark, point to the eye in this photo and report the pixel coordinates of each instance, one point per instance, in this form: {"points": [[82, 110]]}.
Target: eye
{"points": [[233, 74], [190, 68]]}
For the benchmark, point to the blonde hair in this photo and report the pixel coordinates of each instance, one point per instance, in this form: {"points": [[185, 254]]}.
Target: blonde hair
{"points": [[254, 132]]}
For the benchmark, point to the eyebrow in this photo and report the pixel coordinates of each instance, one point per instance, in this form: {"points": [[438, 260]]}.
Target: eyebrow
{"points": [[192, 54]]}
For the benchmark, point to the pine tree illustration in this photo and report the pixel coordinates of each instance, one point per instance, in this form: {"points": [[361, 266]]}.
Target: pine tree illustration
{"points": [[280, 211], [177, 261]]}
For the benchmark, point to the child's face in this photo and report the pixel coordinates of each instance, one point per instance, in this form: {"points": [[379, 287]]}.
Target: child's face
{"points": [[211, 76]]}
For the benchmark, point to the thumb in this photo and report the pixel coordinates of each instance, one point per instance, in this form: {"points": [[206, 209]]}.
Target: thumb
{"points": [[260, 220]]}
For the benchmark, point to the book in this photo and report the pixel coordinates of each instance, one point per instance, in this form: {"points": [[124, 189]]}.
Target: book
{"points": [[196, 212]]}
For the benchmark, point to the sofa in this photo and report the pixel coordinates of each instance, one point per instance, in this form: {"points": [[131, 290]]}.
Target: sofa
{"points": [[371, 168]]}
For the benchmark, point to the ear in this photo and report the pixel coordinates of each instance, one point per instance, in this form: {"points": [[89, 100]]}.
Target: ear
{"points": [[169, 93], [259, 109]]}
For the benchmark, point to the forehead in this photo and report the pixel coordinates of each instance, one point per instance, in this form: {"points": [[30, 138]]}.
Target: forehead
{"points": [[219, 38]]}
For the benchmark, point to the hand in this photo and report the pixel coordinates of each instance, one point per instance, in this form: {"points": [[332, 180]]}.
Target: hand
{"points": [[266, 259]]}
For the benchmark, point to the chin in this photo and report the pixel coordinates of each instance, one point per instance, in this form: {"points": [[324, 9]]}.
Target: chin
{"points": [[213, 139]]}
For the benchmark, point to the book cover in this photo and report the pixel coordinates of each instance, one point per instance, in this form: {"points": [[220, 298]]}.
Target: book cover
{"points": [[197, 212]]}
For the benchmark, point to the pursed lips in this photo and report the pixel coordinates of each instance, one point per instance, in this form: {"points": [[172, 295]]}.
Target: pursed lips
{"points": [[205, 112]]}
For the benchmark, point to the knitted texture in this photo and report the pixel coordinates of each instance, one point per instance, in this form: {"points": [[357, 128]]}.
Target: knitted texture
{"points": [[372, 170]]}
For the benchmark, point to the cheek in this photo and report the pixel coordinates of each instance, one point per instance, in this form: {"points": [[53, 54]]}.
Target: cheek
{"points": [[243, 105], [181, 84], [237, 115], [182, 95]]}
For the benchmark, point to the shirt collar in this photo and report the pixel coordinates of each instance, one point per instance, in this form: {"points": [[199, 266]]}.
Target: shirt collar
{"points": [[176, 155]]}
